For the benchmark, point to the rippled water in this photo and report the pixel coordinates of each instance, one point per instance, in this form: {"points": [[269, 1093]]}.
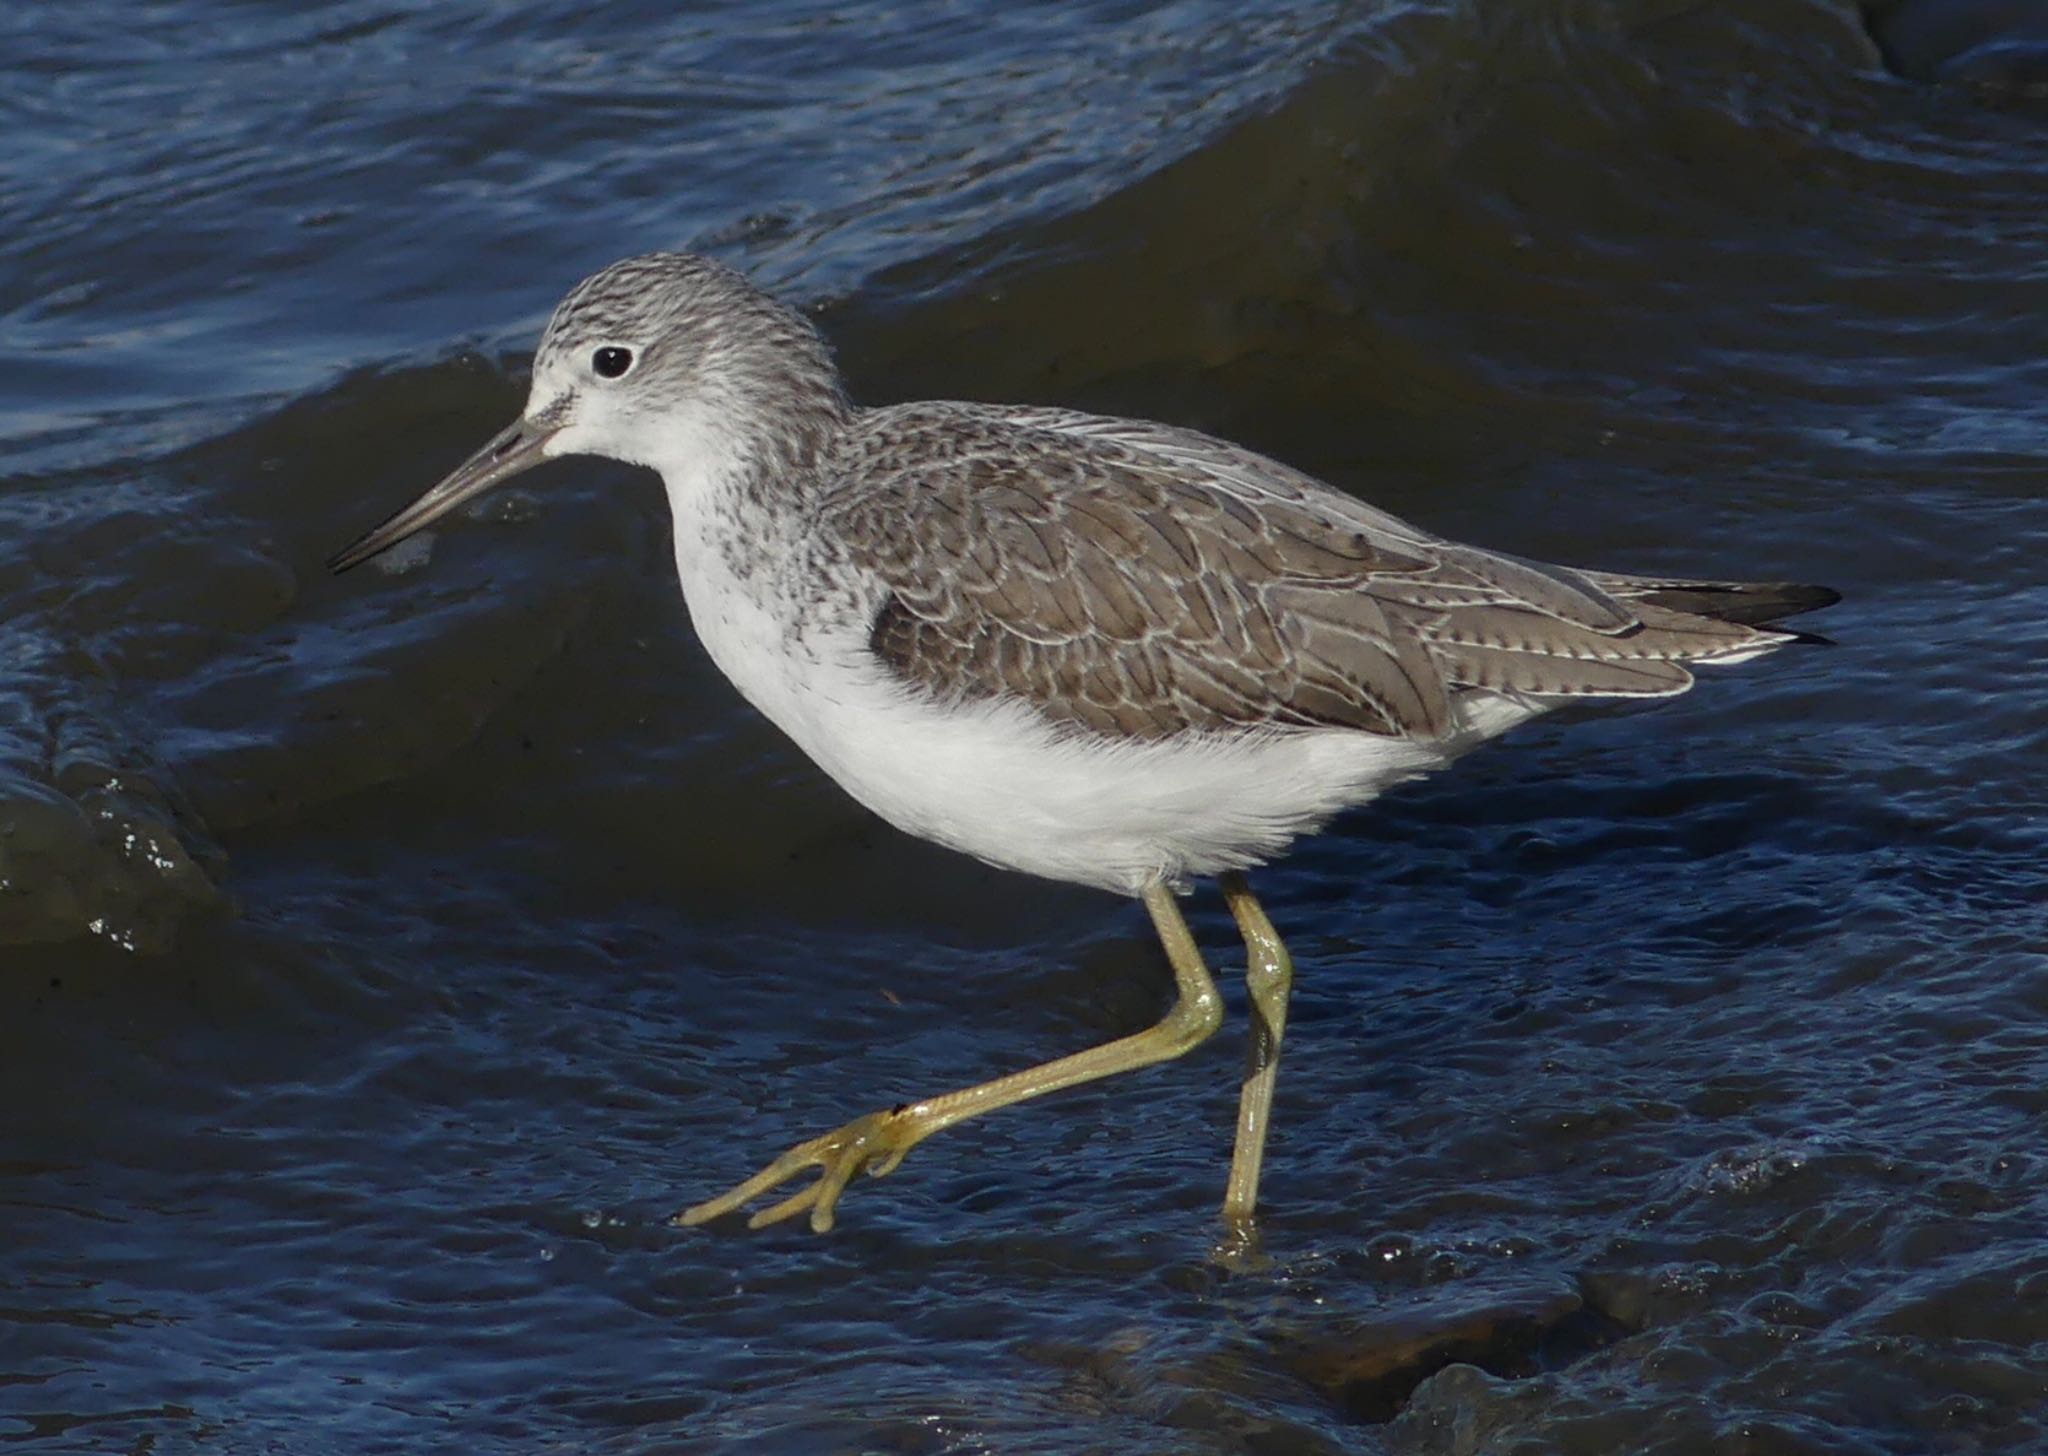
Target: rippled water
{"points": [[386, 958]]}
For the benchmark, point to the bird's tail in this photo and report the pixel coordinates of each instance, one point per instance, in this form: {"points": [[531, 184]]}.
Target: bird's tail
{"points": [[1762, 604]]}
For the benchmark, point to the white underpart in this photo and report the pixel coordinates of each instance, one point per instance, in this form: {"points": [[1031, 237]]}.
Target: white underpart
{"points": [[994, 779], [997, 781]]}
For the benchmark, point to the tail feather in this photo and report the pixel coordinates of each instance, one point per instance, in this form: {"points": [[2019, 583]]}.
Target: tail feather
{"points": [[1747, 603]]}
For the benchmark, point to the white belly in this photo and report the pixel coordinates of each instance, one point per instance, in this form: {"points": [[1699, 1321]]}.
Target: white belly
{"points": [[997, 782]]}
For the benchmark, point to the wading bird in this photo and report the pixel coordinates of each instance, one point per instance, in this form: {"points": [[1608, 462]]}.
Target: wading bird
{"points": [[1101, 650]]}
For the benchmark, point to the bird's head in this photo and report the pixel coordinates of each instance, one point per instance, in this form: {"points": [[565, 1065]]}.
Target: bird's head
{"points": [[667, 360]]}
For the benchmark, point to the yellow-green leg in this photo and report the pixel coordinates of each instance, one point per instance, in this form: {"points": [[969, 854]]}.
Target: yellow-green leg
{"points": [[1269, 976], [879, 1140]]}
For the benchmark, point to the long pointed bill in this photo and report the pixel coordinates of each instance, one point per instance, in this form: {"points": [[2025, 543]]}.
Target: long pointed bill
{"points": [[516, 448]]}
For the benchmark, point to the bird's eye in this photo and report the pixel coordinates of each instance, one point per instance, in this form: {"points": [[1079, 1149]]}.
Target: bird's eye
{"points": [[611, 361]]}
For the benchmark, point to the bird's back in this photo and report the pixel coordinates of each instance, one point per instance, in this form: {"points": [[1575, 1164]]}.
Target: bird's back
{"points": [[1138, 581]]}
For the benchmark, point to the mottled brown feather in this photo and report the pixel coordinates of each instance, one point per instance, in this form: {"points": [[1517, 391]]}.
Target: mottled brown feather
{"points": [[1137, 580]]}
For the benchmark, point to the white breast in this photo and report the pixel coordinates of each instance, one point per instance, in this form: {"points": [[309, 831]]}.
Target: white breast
{"points": [[996, 781]]}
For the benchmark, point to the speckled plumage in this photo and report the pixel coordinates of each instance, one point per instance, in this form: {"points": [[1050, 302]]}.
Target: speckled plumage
{"points": [[1100, 650], [1103, 586]]}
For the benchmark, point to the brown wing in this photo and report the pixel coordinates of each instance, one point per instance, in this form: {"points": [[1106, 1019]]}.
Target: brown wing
{"points": [[1142, 581]]}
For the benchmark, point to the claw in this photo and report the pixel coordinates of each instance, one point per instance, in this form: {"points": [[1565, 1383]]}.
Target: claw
{"points": [[876, 1142]]}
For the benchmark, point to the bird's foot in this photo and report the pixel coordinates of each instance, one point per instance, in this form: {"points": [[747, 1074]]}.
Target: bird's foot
{"points": [[876, 1142], [1239, 1251]]}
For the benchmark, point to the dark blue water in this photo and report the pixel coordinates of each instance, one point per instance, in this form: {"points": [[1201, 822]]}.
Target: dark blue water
{"points": [[386, 958]]}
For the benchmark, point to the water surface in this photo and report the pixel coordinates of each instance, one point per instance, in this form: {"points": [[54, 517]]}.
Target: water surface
{"points": [[386, 958]]}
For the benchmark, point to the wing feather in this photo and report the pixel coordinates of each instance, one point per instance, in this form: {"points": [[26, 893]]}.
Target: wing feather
{"points": [[1136, 579]]}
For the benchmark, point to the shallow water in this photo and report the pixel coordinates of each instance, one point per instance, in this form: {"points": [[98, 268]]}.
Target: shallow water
{"points": [[386, 958]]}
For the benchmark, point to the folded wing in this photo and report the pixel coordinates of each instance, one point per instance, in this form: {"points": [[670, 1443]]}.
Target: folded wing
{"points": [[1142, 581]]}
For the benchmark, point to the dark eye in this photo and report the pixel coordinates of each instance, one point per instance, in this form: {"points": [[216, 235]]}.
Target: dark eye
{"points": [[611, 361]]}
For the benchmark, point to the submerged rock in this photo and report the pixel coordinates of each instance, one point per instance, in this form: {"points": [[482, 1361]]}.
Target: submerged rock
{"points": [[1371, 1367], [91, 841]]}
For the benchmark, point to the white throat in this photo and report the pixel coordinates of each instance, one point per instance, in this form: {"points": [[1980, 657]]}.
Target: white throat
{"points": [[735, 559]]}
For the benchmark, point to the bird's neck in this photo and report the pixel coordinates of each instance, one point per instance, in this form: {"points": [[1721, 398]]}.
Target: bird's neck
{"points": [[743, 486], [743, 515]]}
